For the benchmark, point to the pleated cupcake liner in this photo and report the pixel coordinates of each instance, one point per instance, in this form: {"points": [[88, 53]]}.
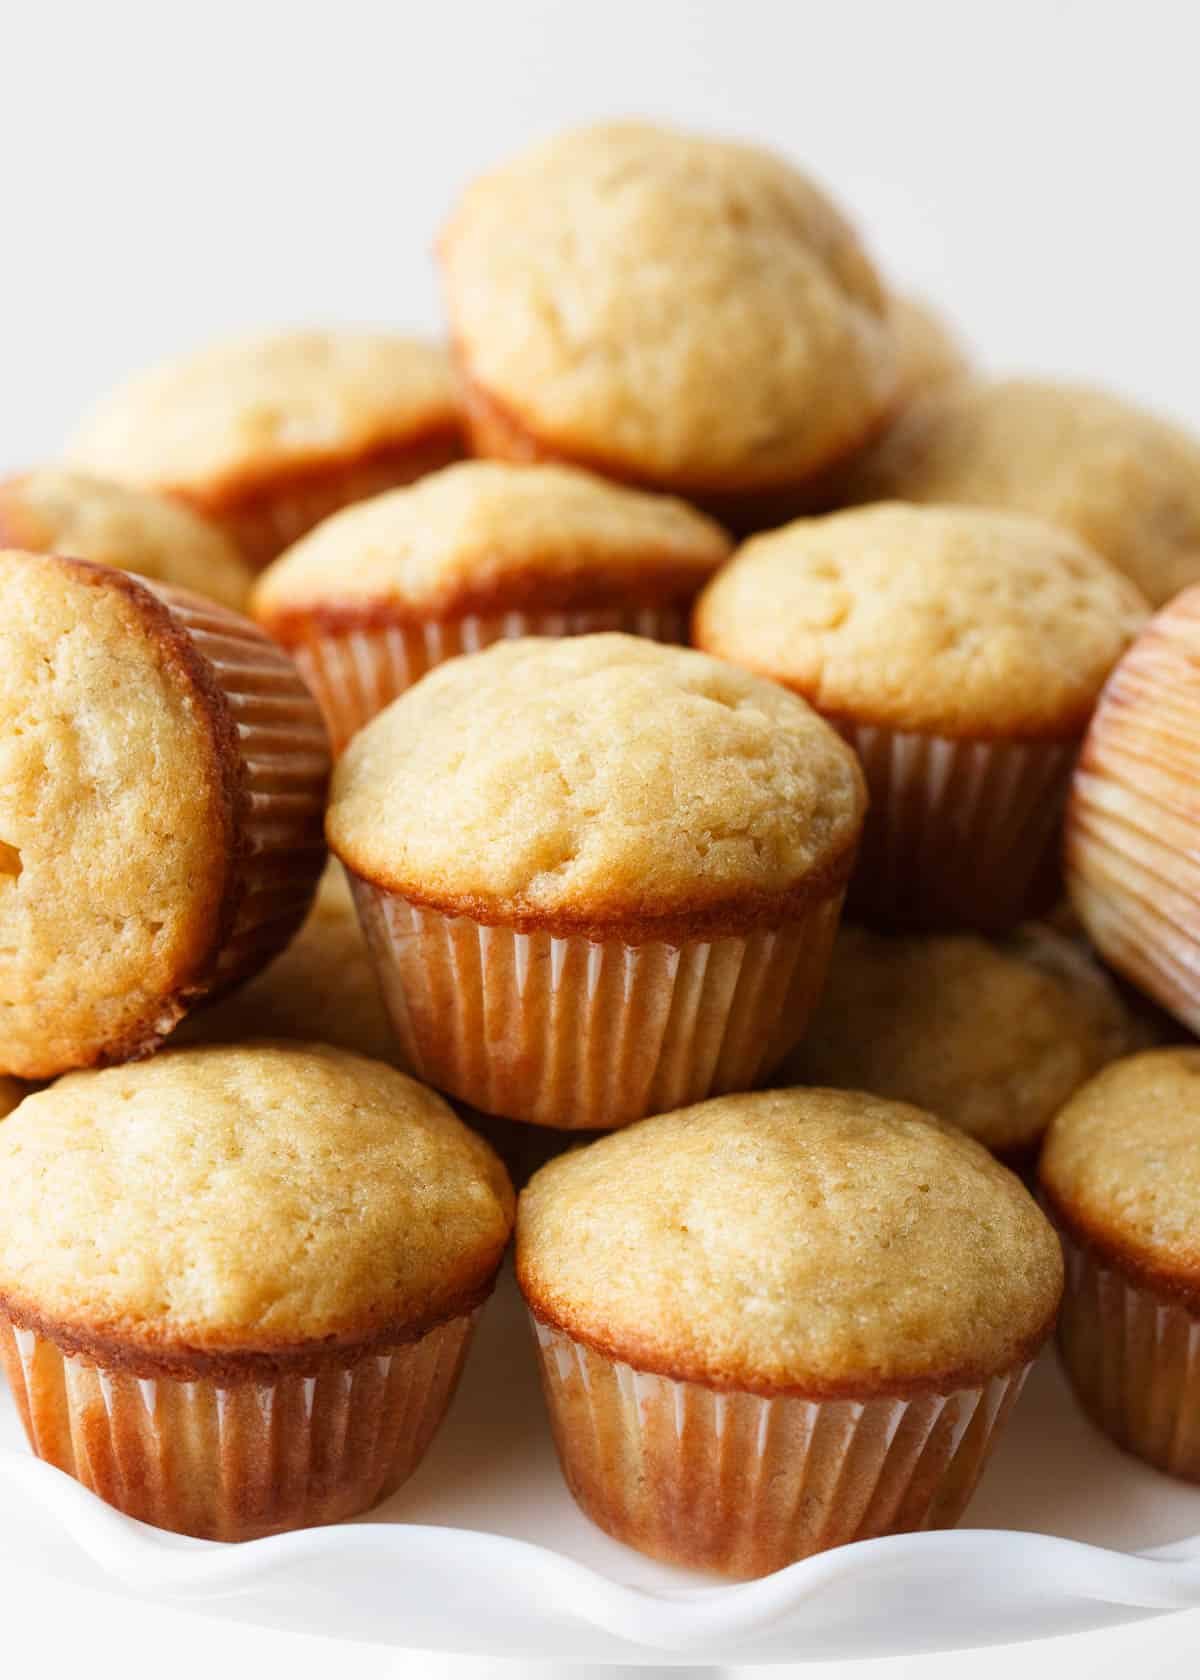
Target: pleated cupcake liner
{"points": [[590, 1034], [285, 770], [242, 1461], [356, 672], [1132, 1355], [958, 832], [745, 1484]]}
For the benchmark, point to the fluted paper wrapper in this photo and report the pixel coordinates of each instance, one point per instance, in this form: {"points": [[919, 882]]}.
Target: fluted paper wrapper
{"points": [[238, 1462], [355, 673], [958, 832], [744, 1483], [1133, 1357], [592, 1034], [285, 757]]}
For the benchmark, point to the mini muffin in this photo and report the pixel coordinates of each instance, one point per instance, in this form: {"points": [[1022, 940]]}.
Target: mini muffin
{"points": [[960, 652], [928, 351], [270, 435], [992, 1036], [55, 511], [1120, 1173], [321, 987], [775, 1323], [1123, 480], [681, 312], [237, 1285], [162, 777], [381, 593], [599, 876], [11, 1093]]}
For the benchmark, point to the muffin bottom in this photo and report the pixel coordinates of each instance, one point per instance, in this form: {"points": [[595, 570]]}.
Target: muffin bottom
{"points": [[237, 1461], [745, 1484]]}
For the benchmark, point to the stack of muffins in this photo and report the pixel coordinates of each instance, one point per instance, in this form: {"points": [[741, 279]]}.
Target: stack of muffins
{"points": [[584, 909]]}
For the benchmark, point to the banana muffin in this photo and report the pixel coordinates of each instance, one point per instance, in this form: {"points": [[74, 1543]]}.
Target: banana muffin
{"points": [[162, 778], [270, 435], [1125, 481], [237, 1285], [960, 652], [677, 311], [993, 1036], [382, 592], [1120, 1173], [55, 511], [599, 876], [774, 1323]]}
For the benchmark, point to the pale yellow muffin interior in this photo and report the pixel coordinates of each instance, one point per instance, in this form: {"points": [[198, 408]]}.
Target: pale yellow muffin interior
{"points": [[238, 412], [928, 350], [948, 620], [56, 511], [816, 1239], [472, 530], [1122, 1160], [1125, 481], [243, 1198], [113, 818], [993, 1036], [600, 777], [691, 311]]}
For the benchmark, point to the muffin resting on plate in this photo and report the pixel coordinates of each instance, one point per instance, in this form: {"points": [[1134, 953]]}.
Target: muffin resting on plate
{"points": [[1125, 481], [1120, 1173], [379, 594], [992, 1036], [237, 1285], [775, 1323], [599, 876], [960, 652], [55, 511], [269, 435], [162, 777], [681, 312]]}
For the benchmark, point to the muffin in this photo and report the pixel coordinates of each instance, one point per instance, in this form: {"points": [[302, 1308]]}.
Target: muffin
{"points": [[599, 876], [55, 511], [1123, 480], [960, 652], [322, 986], [775, 1323], [379, 594], [928, 352], [1120, 1174], [676, 311], [270, 435], [993, 1036], [237, 1285], [162, 777]]}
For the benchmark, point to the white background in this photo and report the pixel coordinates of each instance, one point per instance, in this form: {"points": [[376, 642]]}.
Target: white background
{"points": [[171, 172]]}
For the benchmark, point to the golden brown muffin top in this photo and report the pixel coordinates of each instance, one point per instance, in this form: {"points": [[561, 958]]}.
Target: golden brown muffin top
{"points": [[993, 1036], [927, 348], [487, 536], [596, 780], [321, 987], [55, 511], [949, 620], [230, 415], [822, 1241], [116, 813], [690, 311], [244, 1200], [1121, 1165], [1124, 480]]}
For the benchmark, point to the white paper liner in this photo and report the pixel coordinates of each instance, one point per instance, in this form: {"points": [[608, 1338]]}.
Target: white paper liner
{"points": [[578, 1033], [957, 832], [238, 1462], [355, 673], [1133, 1358], [745, 1484]]}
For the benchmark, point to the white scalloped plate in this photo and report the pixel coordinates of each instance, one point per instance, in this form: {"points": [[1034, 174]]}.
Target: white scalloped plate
{"points": [[484, 1550]]}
